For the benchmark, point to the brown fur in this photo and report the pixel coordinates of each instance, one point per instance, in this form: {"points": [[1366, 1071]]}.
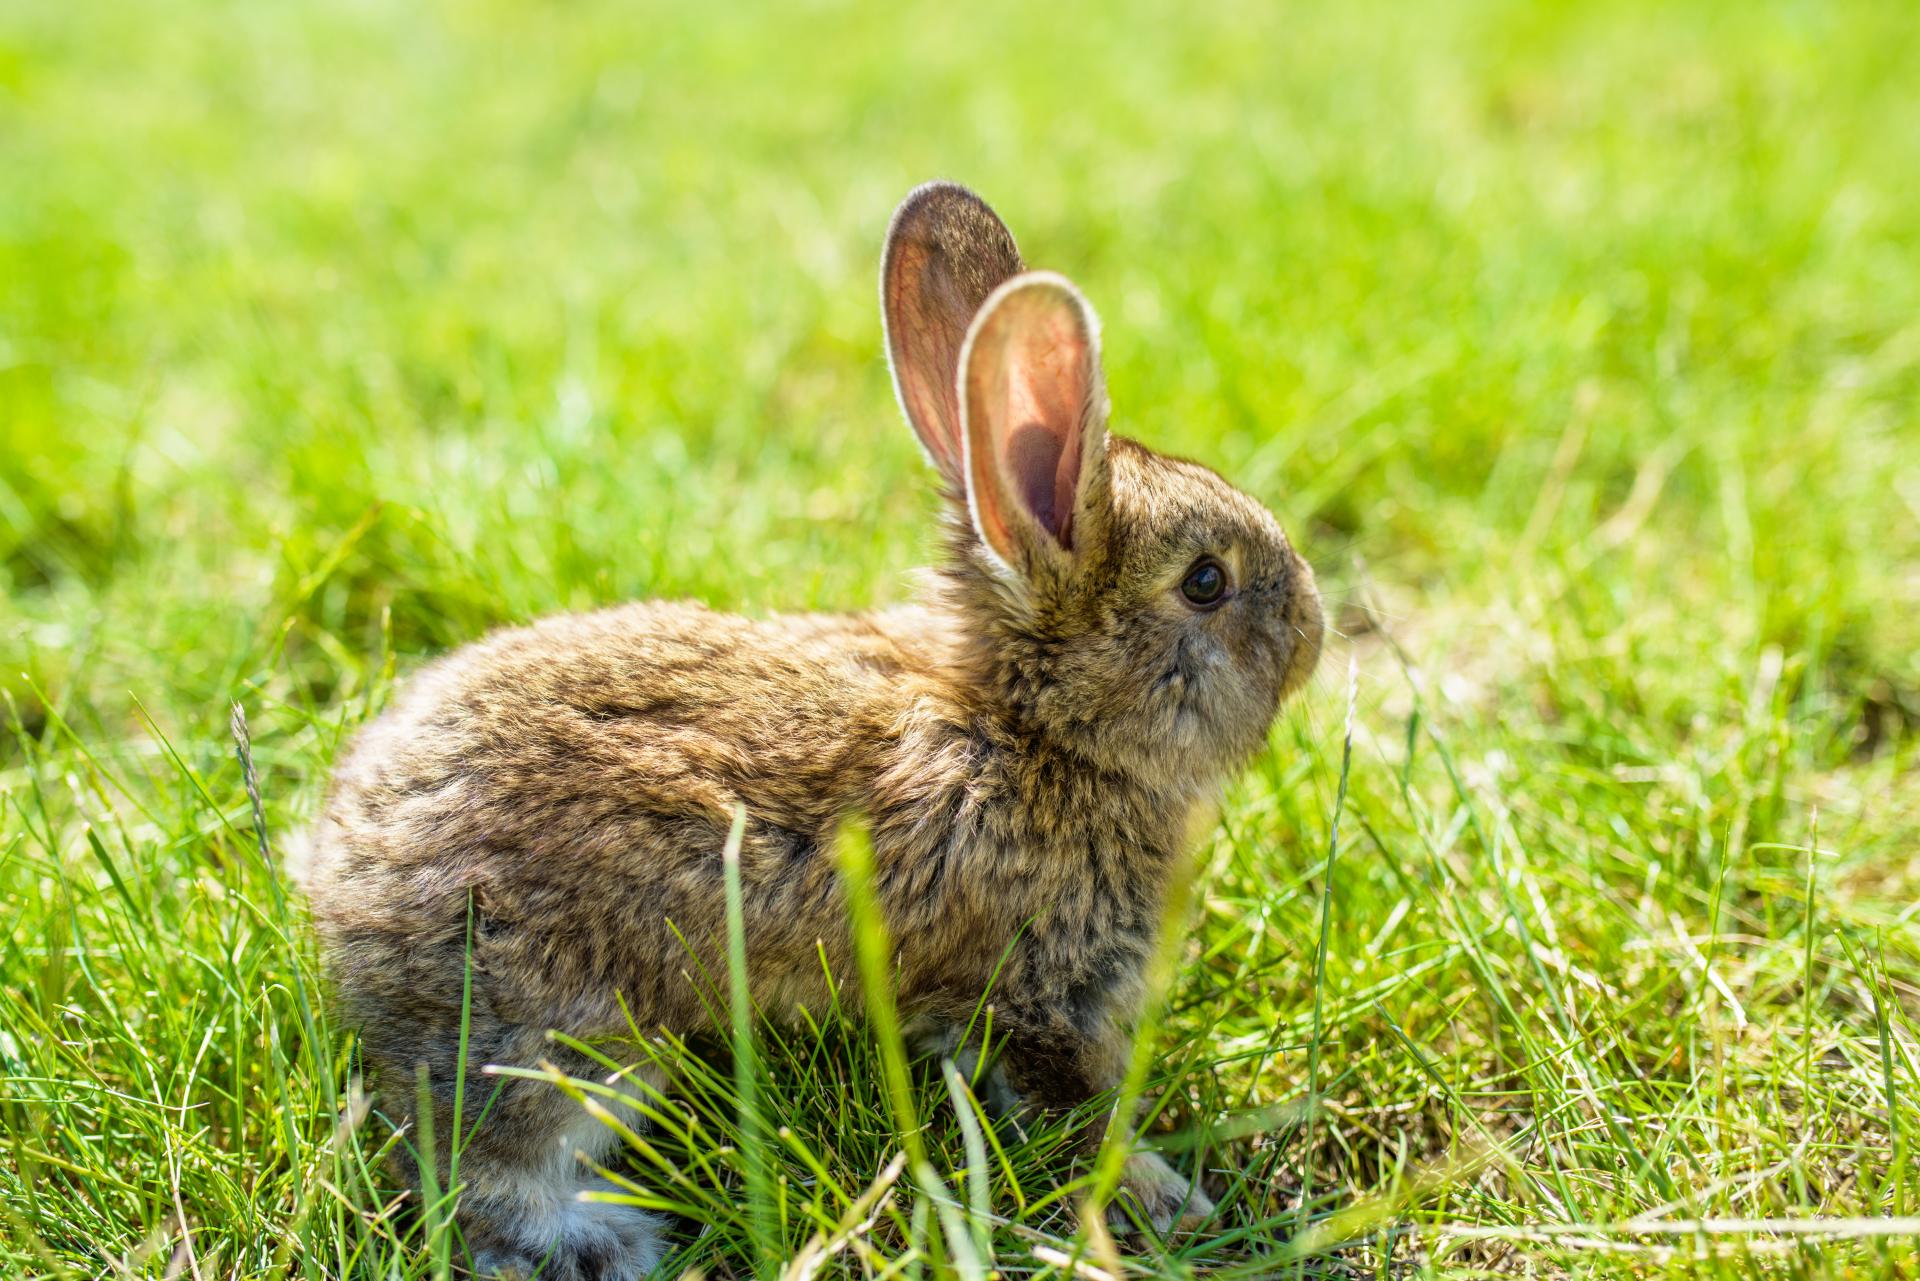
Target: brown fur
{"points": [[1028, 744]]}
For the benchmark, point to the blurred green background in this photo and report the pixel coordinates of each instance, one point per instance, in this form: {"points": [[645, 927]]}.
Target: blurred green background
{"points": [[1578, 346], [584, 293]]}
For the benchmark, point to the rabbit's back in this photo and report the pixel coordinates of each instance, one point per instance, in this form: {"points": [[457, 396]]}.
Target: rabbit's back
{"points": [[571, 783]]}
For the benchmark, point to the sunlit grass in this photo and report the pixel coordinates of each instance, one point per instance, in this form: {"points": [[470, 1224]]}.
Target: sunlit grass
{"points": [[1576, 344]]}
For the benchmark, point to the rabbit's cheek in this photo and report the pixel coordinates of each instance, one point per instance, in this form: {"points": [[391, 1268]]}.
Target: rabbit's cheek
{"points": [[1282, 640]]}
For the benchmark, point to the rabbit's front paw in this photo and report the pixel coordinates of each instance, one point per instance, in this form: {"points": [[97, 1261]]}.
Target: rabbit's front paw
{"points": [[1156, 1192]]}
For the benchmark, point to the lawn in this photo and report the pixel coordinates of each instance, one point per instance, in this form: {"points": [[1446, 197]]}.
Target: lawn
{"points": [[1578, 346]]}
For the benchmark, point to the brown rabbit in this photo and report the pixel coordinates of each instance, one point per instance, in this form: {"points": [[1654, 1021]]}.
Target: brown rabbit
{"points": [[1109, 633]]}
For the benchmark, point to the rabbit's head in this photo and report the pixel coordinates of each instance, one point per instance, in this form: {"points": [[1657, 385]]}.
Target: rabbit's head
{"points": [[1133, 608]]}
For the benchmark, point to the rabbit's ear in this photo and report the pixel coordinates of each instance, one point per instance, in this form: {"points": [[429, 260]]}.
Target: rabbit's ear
{"points": [[946, 251], [1036, 417]]}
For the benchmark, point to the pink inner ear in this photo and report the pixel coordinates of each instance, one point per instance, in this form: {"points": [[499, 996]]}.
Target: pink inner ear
{"points": [[1031, 381], [926, 322], [1038, 428], [1033, 456]]}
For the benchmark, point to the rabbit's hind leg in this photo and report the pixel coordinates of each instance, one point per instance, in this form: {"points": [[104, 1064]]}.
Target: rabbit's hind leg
{"points": [[524, 1169]]}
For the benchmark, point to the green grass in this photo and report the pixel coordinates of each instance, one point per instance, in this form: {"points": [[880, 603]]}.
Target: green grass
{"points": [[1578, 345]]}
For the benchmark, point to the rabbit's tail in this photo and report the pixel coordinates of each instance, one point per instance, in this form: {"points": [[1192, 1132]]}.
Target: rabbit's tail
{"points": [[294, 852]]}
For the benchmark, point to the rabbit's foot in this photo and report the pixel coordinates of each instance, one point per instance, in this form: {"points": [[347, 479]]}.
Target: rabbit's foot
{"points": [[573, 1241], [1159, 1194]]}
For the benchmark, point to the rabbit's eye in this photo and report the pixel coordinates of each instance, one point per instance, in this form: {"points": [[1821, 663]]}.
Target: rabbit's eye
{"points": [[1205, 584]]}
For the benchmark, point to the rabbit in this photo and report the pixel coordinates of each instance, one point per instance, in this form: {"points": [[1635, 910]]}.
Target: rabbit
{"points": [[1108, 634]]}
